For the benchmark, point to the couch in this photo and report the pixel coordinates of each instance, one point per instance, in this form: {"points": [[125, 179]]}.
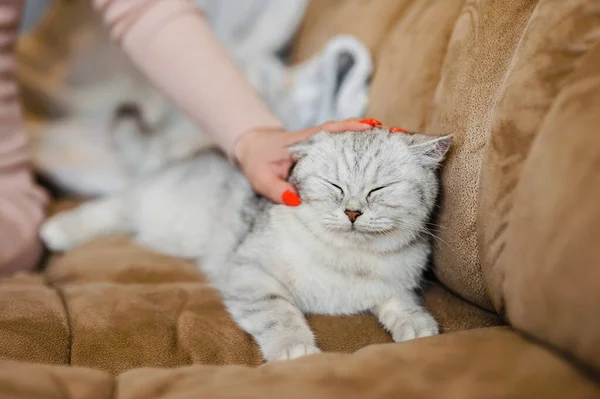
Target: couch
{"points": [[516, 281]]}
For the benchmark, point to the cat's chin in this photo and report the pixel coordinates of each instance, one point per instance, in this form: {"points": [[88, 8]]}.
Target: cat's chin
{"points": [[365, 240], [360, 233], [347, 235]]}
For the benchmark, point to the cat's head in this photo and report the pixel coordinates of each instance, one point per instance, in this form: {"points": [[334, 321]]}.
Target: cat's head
{"points": [[365, 186]]}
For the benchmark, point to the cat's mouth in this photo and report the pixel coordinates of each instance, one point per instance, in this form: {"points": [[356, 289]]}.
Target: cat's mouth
{"points": [[358, 230]]}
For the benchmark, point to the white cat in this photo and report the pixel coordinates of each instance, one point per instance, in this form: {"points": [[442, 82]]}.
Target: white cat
{"points": [[358, 242]]}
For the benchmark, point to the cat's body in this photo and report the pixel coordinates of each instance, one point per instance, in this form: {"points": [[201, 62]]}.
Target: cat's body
{"points": [[357, 243]]}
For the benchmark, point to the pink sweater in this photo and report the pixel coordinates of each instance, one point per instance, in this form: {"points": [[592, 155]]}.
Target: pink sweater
{"points": [[171, 42]]}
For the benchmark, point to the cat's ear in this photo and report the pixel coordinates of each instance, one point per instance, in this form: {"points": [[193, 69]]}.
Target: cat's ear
{"points": [[432, 150], [300, 149]]}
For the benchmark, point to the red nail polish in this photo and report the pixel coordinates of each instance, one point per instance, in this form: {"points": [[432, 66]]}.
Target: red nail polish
{"points": [[372, 122], [398, 130], [290, 199]]}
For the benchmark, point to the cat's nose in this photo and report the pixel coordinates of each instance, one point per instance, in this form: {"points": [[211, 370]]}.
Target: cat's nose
{"points": [[352, 215]]}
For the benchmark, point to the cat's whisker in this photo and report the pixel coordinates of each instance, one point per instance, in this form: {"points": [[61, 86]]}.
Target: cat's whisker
{"points": [[422, 230], [437, 238]]}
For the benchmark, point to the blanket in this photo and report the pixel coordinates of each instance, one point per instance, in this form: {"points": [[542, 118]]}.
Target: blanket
{"points": [[74, 150]]}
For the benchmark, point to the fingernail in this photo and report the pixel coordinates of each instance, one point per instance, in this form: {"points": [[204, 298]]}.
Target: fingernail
{"points": [[372, 122], [290, 199], [398, 130]]}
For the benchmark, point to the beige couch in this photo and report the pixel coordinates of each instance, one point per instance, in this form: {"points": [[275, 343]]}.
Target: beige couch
{"points": [[517, 261]]}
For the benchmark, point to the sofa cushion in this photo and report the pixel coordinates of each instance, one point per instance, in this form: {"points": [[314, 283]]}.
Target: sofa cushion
{"points": [[554, 43], [113, 305], [479, 55], [123, 306], [409, 63], [486, 363], [33, 321], [36, 381], [548, 271]]}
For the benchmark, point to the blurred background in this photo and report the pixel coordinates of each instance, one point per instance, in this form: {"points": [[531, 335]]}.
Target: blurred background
{"points": [[74, 79], [34, 11]]}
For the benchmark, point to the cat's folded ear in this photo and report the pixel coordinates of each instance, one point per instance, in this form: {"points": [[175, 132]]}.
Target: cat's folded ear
{"points": [[432, 150], [300, 149]]}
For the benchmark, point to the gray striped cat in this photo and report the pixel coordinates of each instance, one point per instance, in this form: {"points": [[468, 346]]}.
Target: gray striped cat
{"points": [[359, 241]]}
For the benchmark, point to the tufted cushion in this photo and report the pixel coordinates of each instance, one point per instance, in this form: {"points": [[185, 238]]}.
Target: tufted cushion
{"points": [[33, 322], [114, 306]]}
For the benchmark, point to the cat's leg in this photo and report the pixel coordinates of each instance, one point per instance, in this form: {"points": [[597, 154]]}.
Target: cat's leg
{"points": [[264, 309], [405, 318], [69, 229]]}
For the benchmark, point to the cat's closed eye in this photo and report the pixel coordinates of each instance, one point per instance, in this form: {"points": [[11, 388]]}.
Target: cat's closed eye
{"points": [[376, 190], [341, 190]]}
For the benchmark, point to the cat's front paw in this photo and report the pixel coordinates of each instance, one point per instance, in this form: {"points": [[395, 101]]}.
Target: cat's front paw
{"points": [[60, 233], [291, 352], [411, 325]]}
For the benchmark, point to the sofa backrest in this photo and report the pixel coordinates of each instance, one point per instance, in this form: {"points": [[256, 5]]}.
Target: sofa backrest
{"points": [[517, 82]]}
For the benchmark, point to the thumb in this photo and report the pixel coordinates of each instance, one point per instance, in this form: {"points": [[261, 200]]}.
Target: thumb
{"points": [[276, 189], [300, 135], [354, 124]]}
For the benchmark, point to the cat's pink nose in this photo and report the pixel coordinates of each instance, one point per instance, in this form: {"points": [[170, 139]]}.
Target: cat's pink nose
{"points": [[352, 215]]}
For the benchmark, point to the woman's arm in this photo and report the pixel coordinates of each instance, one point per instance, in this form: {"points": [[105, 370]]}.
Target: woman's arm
{"points": [[22, 203], [171, 42]]}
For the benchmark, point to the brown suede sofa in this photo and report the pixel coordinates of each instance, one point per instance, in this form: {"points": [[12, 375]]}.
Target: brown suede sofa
{"points": [[517, 277]]}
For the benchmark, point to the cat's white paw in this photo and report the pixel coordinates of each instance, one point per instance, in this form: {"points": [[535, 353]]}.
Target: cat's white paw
{"points": [[293, 352], [407, 326], [60, 233]]}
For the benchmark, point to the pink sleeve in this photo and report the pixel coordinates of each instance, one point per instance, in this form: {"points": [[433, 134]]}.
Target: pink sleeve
{"points": [[22, 203], [171, 42]]}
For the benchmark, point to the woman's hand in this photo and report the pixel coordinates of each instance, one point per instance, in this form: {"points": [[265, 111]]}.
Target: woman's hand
{"points": [[263, 156]]}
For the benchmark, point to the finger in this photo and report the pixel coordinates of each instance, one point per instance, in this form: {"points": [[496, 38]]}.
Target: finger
{"points": [[359, 126], [371, 121], [398, 130], [355, 125], [271, 186], [364, 121], [300, 135], [282, 169], [394, 129]]}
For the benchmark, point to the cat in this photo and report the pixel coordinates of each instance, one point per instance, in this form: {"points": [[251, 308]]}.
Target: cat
{"points": [[357, 243]]}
